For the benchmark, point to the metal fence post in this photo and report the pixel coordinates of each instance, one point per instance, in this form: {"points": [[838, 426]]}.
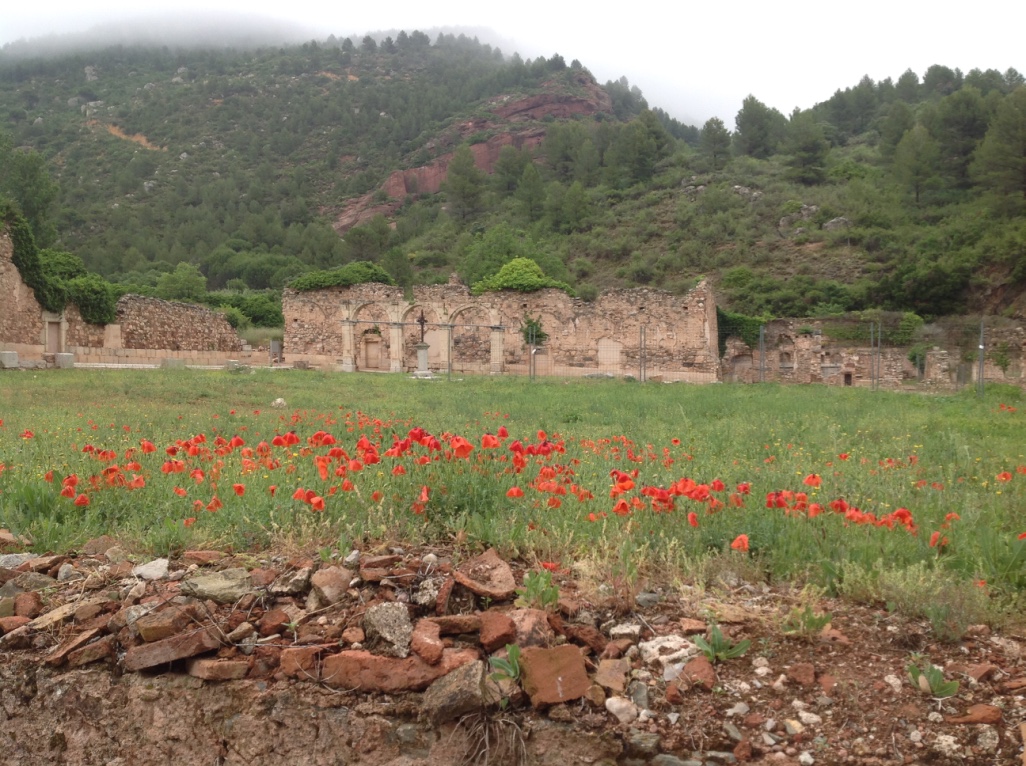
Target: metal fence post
{"points": [[982, 354], [762, 353]]}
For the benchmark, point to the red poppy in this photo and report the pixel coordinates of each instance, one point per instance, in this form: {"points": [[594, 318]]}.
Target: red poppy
{"points": [[503, 433], [299, 494], [1004, 476], [189, 521], [813, 480], [317, 503], [68, 491], [621, 508], [844, 456], [488, 441], [272, 489], [425, 491], [376, 496], [214, 504], [740, 543], [48, 476], [26, 434], [717, 485], [693, 519], [147, 446], [180, 492], [552, 566], [81, 500], [514, 492], [239, 489]]}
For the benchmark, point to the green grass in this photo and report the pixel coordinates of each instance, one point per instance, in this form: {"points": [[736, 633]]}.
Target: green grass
{"points": [[931, 455]]}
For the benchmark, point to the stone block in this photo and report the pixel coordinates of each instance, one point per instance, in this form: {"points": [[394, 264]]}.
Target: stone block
{"points": [[8, 360], [178, 647], [218, 670], [363, 671], [64, 361], [171, 363], [552, 676]]}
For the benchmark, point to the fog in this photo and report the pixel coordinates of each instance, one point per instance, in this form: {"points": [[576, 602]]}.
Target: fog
{"points": [[694, 61]]}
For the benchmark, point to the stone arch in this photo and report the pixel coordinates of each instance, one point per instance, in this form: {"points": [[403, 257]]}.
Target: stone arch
{"points": [[472, 338], [740, 365], [372, 337], [436, 335]]}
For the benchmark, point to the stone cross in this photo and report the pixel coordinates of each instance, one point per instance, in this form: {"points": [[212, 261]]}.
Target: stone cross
{"points": [[422, 322]]}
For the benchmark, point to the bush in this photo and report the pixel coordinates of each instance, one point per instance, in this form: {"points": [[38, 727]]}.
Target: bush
{"points": [[522, 275], [355, 273], [235, 318], [95, 298]]}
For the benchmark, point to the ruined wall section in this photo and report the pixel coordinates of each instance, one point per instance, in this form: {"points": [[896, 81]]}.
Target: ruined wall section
{"points": [[21, 320], [151, 323], [675, 335]]}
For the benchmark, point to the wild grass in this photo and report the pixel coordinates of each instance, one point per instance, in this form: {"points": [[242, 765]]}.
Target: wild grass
{"points": [[955, 463]]}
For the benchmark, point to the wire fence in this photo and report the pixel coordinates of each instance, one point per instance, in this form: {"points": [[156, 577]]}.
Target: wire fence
{"points": [[869, 355]]}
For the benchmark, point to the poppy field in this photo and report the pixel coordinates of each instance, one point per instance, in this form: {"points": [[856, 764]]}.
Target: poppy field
{"points": [[840, 487]]}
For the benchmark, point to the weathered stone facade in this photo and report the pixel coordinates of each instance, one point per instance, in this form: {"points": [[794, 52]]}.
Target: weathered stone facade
{"points": [[154, 323], [796, 351], [147, 330], [641, 332]]}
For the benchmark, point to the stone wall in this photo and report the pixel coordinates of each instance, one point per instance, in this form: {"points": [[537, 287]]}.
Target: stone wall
{"points": [[21, 320], [797, 351], [623, 332], [157, 324], [167, 329]]}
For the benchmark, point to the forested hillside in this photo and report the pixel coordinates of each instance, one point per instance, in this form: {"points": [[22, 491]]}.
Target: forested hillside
{"points": [[181, 172]]}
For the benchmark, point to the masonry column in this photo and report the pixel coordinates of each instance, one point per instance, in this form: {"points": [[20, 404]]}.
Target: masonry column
{"points": [[395, 347], [348, 357], [497, 350]]}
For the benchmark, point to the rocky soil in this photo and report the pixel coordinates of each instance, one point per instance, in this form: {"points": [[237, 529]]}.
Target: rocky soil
{"points": [[383, 658]]}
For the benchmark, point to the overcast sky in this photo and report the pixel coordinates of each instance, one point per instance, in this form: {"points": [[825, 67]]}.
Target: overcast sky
{"points": [[693, 59]]}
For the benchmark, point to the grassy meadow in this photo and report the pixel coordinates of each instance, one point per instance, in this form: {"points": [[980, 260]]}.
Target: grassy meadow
{"points": [[909, 500]]}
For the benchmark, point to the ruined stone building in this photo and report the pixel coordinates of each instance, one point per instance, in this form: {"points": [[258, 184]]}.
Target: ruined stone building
{"points": [[148, 331], [644, 333]]}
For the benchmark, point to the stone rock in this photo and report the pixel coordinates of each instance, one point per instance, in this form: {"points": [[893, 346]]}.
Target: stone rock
{"points": [[497, 630], [551, 676], [612, 675], [153, 570], [641, 744], [666, 650], [331, 584], [698, 673], [426, 642], [690, 627], [202, 558], [622, 709], [354, 635], [532, 627], [157, 626], [273, 622], [460, 692], [587, 635], [455, 624], [979, 713], [67, 573], [11, 624], [98, 650], [363, 671], [224, 587], [488, 576], [802, 673], [665, 759], [15, 560], [177, 647], [291, 583], [31, 581], [300, 662], [59, 615], [217, 670], [389, 625], [629, 631], [28, 604]]}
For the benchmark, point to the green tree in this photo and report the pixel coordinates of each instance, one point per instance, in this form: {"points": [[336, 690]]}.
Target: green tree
{"points": [[464, 185], [917, 161], [509, 167], [898, 120], [907, 87], [959, 124], [715, 142], [531, 193], [807, 149], [25, 178], [758, 129], [1000, 162], [185, 283]]}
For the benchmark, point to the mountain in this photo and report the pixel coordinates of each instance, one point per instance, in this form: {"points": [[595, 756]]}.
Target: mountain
{"points": [[428, 156]]}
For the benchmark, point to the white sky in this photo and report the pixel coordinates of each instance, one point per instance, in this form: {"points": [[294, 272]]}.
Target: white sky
{"points": [[693, 59]]}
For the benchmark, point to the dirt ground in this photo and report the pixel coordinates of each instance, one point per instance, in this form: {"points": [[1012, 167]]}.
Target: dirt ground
{"points": [[75, 687]]}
